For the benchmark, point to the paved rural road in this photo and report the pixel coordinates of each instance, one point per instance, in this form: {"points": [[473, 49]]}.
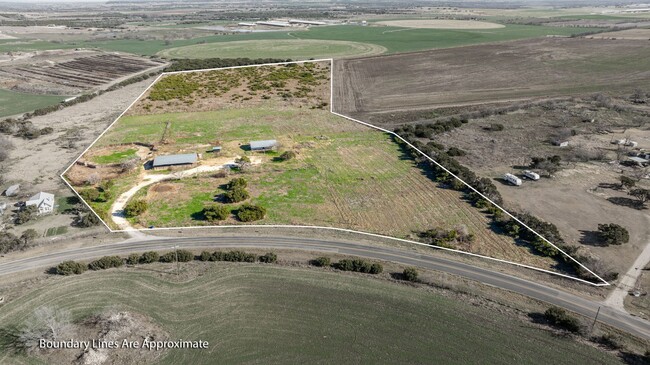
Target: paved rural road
{"points": [[534, 290]]}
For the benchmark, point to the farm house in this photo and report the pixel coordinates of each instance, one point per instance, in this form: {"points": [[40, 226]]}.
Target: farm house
{"points": [[267, 145], [44, 202], [174, 160]]}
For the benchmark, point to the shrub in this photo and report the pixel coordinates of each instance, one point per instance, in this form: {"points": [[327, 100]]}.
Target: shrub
{"points": [[410, 274], [236, 195], [287, 155], [321, 261], [496, 127], [238, 183], [89, 195], [106, 262], [250, 213], [135, 208], [239, 256], [269, 258], [149, 257], [88, 220], [560, 318], [183, 256], [25, 214], [216, 212], [358, 265], [70, 267], [454, 151], [133, 259], [205, 256], [613, 234]]}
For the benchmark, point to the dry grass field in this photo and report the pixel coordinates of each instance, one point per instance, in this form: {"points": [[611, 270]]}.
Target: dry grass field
{"points": [[487, 73], [641, 34]]}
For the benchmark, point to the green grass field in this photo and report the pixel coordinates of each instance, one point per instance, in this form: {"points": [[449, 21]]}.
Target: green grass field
{"points": [[12, 103], [295, 49], [252, 313], [115, 157]]}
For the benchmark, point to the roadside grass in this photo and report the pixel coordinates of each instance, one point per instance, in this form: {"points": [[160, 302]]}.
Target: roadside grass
{"points": [[12, 103], [285, 315], [115, 157]]}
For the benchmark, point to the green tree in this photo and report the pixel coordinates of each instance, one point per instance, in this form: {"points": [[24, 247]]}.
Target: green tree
{"points": [[70, 267], [236, 183], [268, 258], [25, 214], [149, 257], [88, 220], [321, 261], [236, 195], [410, 274], [135, 208], [613, 234], [29, 236], [106, 262], [133, 259], [560, 318], [250, 213], [90, 194], [641, 195], [216, 212]]}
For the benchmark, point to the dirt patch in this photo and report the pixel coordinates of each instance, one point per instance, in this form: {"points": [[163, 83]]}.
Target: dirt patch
{"points": [[641, 34], [441, 24], [367, 88], [110, 327], [163, 188]]}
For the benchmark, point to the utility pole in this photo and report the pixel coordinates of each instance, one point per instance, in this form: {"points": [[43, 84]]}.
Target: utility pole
{"points": [[178, 264], [595, 319]]}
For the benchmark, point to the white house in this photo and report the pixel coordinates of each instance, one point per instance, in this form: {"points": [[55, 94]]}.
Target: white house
{"points": [[44, 202]]}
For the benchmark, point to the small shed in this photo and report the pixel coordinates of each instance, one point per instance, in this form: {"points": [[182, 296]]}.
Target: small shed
{"points": [[216, 149], [266, 145], [12, 190], [175, 160]]}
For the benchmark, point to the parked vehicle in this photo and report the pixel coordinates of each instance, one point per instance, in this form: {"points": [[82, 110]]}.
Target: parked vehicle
{"points": [[512, 179], [531, 175]]}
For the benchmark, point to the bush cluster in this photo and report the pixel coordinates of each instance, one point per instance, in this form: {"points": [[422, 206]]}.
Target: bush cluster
{"points": [[613, 234], [560, 318], [250, 213], [70, 268], [135, 208], [268, 258], [201, 64], [183, 256], [216, 212], [358, 265], [410, 274], [322, 261], [231, 256], [106, 262], [236, 190]]}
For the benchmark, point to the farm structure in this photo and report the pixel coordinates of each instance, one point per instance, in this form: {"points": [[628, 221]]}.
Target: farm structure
{"points": [[174, 160], [267, 145], [44, 202]]}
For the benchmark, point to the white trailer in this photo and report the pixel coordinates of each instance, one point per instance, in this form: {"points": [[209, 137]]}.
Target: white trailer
{"points": [[512, 179], [531, 175]]}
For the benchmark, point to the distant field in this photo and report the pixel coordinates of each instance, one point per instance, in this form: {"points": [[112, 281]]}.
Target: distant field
{"points": [[295, 49], [488, 73], [441, 24], [12, 103], [393, 39], [283, 315]]}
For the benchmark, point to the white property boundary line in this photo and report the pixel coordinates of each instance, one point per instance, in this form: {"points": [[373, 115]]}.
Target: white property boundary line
{"points": [[331, 61]]}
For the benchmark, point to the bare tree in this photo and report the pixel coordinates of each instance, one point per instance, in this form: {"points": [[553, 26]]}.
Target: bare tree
{"points": [[94, 179], [47, 323], [129, 165]]}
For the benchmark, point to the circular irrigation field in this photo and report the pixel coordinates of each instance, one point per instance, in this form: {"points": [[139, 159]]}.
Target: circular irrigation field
{"points": [[441, 24], [296, 49]]}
